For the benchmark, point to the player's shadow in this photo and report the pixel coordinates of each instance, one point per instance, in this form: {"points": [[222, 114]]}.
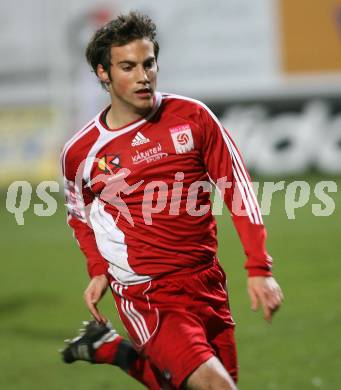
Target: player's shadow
{"points": [[39, 333], [19, 303], [14, 308]]}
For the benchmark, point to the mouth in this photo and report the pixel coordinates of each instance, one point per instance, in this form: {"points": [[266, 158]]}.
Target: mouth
{"points": [[144, 93]]}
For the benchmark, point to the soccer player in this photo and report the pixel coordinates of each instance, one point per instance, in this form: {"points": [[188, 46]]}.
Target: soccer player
{"points": [[138, 197]]}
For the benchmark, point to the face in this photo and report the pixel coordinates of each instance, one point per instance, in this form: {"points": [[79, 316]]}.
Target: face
{"points": [[133, 74]]}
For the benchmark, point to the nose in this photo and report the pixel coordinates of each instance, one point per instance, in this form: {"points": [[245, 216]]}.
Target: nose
{"points": [[143, 75]]}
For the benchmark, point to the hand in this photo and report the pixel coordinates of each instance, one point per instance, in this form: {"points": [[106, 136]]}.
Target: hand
{"points": [[265, 290], [93, 294]]}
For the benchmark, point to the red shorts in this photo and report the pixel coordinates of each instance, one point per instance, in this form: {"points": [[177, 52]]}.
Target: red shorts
{"points": [[180, 323]]}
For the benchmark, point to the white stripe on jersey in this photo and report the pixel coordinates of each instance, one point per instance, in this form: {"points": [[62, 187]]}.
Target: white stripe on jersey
{"points": [[73, 140], [142, 320], [92, 121], [136, 319], [244, 186], [239, 162], [144, 332], [242, 183], [111, 243], [132, 321]]}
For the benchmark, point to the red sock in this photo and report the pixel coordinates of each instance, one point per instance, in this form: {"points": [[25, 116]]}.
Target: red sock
{"points": [[120, 352], [106, 353], [144, 372]]}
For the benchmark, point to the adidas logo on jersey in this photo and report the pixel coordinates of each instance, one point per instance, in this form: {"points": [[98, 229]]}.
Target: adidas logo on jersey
{"points": [[139, 139]]}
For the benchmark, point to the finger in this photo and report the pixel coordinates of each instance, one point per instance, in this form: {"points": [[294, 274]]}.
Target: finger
{"points": [[94, 312], [273, 302], [92, 296], [279, 299], [276, 290], [270, 308], [267, 313], [98, 316], [272, 305], [274, 298], [104, 319], [265, 302], [91, 301], [254, 300]]}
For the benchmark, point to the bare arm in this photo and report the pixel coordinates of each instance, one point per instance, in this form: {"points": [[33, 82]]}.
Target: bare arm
{"points": [[93, 294]]}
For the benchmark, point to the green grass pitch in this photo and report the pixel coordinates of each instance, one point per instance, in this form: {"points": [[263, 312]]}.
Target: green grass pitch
{"points": [[43, 276]]}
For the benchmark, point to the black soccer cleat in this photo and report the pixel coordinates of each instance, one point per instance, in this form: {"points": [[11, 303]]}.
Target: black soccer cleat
{"points": [[83, 347]]}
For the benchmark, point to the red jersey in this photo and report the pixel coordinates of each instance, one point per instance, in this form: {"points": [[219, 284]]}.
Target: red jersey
{"points": [[138, 197]]}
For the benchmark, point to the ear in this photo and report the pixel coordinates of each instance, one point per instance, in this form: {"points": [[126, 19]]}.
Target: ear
{"points": [[102, 74]]}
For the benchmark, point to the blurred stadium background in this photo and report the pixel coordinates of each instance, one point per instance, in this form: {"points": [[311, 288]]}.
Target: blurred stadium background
{"points": [[271, 70]]}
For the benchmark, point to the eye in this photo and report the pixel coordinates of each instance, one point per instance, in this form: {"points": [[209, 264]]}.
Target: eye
{"points": [[149, 64], [127, 68]]}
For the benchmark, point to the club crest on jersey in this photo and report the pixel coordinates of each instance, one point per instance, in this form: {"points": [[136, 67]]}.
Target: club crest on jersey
{"points": [[182, 138], [139, 139], [109, 163]]}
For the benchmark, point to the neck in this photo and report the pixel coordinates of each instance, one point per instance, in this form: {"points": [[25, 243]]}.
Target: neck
{"points": [[120, 114]]}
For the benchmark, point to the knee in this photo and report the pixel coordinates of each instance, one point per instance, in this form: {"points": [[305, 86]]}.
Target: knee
{"points": [[211, 375], [212, 383]]}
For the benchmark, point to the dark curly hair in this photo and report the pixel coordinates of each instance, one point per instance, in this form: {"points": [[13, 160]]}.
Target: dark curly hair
{"points": [[119, 32]]}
